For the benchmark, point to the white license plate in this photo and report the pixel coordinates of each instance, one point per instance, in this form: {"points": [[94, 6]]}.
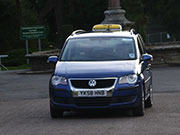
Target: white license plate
{"points": [[92, 93]]}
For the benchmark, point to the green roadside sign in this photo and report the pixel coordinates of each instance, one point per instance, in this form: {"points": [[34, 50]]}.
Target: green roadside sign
{"points": [[34, 32]]}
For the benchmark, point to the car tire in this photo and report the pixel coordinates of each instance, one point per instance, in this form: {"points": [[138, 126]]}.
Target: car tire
{"points": [[149, 101], [55, 113], [139, 111]]}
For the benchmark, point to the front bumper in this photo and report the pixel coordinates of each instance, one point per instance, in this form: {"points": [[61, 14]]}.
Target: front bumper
{"points": [[127, 97]]}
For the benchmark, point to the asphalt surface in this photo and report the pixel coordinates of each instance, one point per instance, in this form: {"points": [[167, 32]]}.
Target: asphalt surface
{"points": [[21, 87], [166, 79], [24, 109]]}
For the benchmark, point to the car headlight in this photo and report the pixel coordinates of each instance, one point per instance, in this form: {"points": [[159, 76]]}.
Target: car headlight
{"points": [[56, 80], [130, 79]]}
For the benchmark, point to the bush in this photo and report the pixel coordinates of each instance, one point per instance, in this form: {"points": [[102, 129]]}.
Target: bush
{"points": [[15, 58]]}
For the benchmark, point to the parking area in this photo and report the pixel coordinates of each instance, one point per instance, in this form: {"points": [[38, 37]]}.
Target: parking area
{"points": [[24, 109]]}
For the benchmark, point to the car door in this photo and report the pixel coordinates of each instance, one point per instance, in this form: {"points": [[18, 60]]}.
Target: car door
{"points": [[146, 67]]}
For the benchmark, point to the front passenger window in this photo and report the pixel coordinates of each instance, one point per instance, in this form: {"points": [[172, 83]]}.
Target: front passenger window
{"points": [[141, 49]]}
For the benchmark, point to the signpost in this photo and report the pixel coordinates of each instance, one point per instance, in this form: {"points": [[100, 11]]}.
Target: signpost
{"points": [[30, 33]]}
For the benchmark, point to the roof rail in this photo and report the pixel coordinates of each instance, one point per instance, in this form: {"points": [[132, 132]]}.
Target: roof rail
{"points": [[132, 31], [77, 32]]}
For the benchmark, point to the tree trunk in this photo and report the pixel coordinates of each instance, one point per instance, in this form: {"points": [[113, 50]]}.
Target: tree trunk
{"points": [[59, 21], [19, 12], [57, 6], [45, 11]]}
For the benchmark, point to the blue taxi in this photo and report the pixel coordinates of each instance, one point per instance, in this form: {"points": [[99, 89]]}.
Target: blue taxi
{"points": [[104, 69]]}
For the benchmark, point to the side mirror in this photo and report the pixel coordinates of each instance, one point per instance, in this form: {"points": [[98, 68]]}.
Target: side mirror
{"points": [[52, 59], [147, 57]]}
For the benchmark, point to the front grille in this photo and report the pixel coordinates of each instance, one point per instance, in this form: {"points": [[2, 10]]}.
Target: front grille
{"points": [[100, 83], [64, 100], [100, 101], [92, 101]]}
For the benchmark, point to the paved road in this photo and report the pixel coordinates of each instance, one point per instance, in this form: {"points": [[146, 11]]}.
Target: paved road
{"points": [[166, 79], [21, 87], [24, 109]]}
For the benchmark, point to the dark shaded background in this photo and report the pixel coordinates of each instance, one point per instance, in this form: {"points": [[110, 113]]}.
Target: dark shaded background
{"points": [[61, 17]]}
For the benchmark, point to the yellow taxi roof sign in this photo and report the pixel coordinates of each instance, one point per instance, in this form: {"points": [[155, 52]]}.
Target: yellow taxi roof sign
{"points": [[107, 27]]}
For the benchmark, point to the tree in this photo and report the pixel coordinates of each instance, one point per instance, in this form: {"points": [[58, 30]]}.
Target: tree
{"points": [[80, 14], [9, 26], [19, 12]]}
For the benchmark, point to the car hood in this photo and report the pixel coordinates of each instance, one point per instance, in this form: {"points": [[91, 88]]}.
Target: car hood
{"points": [[95, 69]]}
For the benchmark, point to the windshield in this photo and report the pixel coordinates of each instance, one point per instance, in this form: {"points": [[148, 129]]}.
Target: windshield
{"points": [[99, 49]]}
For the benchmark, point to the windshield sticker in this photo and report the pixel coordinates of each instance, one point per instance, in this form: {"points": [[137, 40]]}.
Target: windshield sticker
{"points": [[131, 55], [127, 39]]}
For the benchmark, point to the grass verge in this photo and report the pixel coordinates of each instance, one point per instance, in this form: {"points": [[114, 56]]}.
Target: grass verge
{"points": [[17, 67]]}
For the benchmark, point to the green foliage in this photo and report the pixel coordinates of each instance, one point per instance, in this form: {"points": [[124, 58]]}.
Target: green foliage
{"points": [[8, 25], [15, 58], [136, 14], [79, 14], [29, 12], [83, 14], [25, 66], [168, 11]]}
